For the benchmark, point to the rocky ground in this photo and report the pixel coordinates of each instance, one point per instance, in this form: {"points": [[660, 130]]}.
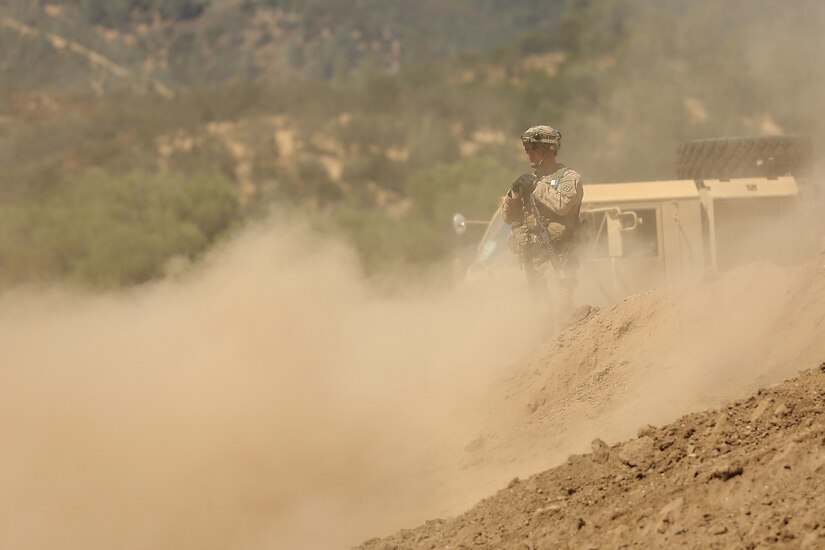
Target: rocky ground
{"points": [[750, 475], [746, 471]]}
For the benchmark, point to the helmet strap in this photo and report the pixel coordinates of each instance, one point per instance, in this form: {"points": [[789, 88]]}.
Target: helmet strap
{"points": [[543, 156]]}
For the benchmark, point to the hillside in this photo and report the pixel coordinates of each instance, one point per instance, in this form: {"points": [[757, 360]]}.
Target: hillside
{"points": [[741, 469], [188, 44], [375, 123], [744, 476]]}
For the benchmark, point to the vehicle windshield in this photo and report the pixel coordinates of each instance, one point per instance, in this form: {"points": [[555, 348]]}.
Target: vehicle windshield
{"points": [[493, 246]]}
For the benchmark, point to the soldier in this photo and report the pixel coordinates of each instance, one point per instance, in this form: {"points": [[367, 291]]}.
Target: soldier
{"points": [[557, 193]]}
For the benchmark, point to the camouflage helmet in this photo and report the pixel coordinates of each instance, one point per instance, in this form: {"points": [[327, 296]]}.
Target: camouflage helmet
{"points": [[542, 134]]}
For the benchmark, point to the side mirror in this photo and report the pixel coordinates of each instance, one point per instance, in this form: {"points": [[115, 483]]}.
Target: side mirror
{"points": [[459, 224]]}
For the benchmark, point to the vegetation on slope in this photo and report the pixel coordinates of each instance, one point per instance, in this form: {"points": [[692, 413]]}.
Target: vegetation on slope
{"points": [[378, 123]]}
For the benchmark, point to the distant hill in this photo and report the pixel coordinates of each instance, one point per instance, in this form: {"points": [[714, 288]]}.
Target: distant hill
{"points": [[195, 43], [379, 119]]}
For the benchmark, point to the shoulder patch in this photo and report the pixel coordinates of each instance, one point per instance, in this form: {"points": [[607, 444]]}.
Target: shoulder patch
{"points": [[569, 183]]}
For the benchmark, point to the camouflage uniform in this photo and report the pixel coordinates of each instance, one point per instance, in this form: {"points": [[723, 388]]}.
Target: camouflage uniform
{"points": [[558, 197]]}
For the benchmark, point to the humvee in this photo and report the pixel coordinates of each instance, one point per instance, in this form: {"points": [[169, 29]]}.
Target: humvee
{"points": [[737, 200]]}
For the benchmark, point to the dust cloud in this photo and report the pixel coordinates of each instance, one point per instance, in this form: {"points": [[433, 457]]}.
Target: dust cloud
{"points": [[272, 399], [269, 400], [688, 70], [656, 356]]}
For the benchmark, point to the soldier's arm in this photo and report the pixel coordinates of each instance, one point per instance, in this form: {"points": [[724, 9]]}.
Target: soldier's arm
{"points": [[511, 209], [564, 197]]}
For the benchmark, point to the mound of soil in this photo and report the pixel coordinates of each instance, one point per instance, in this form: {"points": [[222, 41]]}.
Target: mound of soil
{"points": [[746, 471], [748, 475]]}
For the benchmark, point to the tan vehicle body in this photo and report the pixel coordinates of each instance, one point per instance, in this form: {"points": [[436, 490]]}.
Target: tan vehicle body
{"points": [[642, 235]]}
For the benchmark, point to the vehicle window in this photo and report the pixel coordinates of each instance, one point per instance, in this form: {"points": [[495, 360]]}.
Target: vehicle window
{"points": [[494, 244], [642, 241]]}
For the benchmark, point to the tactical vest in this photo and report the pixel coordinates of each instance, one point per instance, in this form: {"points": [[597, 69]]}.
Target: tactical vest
{"points": [[570, 221]]}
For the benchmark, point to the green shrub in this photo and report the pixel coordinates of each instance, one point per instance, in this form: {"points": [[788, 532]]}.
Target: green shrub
{"points": [[103, 230]]}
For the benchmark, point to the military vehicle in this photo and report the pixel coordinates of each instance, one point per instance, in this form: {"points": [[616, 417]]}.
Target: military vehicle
{"points": [[737, 200]]}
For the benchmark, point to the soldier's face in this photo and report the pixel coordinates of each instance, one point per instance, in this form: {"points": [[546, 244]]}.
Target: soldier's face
{"points": [[535, 152]]}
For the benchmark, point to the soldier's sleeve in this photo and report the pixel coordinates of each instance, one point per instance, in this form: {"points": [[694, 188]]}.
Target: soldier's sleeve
{"points": [[565, 196], [511, 209]]}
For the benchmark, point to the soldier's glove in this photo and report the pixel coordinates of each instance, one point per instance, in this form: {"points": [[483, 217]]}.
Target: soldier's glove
{"points": [[524, 185]]}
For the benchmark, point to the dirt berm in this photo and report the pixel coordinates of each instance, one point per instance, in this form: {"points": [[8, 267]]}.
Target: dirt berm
{"points": [[734, 371]]}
